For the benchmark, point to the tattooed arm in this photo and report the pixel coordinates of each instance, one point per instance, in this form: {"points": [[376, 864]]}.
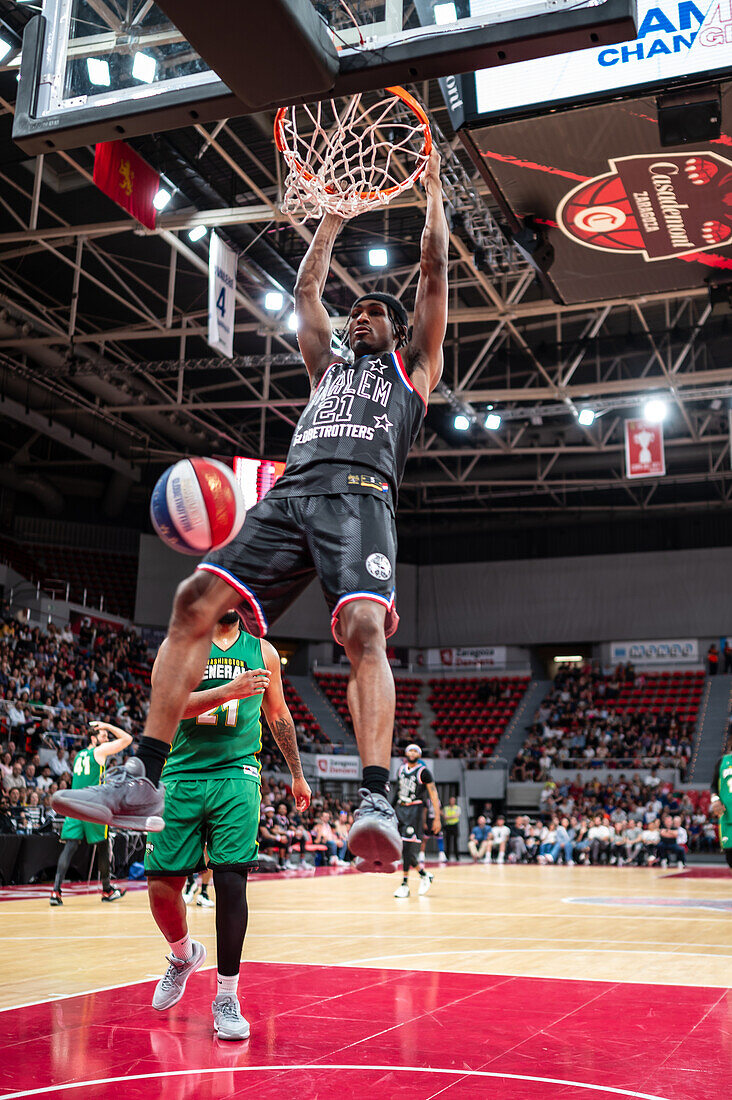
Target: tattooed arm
{"points": [[280, 722]]}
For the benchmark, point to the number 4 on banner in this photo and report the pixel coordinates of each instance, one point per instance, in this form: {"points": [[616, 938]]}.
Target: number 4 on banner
{"points": [[221, 296]]}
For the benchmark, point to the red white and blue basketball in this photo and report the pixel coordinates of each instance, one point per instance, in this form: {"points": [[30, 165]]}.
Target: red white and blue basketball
{"points": [[197, 506]]}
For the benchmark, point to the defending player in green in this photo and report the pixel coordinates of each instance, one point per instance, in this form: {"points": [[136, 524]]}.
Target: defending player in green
{"points": [[212, 797]]}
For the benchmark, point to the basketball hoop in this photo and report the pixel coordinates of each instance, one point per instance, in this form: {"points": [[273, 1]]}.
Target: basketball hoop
{"points": [[348, 159]]}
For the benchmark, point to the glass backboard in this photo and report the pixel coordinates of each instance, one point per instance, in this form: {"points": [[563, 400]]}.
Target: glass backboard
{"points": [[94, 70]]}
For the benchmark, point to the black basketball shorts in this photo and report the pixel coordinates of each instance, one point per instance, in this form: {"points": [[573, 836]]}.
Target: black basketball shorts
{"points": [[410, 822], [348, 541]]}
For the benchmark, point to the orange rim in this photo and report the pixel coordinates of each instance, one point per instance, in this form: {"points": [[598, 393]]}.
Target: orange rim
{"points": [[409, 101]]}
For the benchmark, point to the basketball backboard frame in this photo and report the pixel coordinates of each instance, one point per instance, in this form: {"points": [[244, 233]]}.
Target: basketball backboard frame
{"points": [[48, 118]]}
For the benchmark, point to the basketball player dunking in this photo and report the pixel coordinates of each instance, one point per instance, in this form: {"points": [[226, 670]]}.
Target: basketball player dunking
{"points": [[331, 514]]}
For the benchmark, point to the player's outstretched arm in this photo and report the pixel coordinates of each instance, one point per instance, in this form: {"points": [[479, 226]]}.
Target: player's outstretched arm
{"points": [[110, 748], [280, 722], [314, 332], [424, 355]]}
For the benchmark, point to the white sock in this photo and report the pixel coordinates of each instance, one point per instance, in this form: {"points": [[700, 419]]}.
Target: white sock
{"points": [[182, 949], [226, 985]]}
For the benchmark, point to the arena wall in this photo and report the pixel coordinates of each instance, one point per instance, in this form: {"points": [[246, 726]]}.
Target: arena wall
{"points": [[612, 597]]}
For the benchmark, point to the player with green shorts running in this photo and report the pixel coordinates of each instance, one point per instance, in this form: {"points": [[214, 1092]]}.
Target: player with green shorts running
{"points": [[89, 764], [212, 796], [721, 806]]}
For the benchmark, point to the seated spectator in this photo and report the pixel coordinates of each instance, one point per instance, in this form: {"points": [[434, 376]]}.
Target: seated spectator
{"points": [[16, 779], [271, 836], [618, 845], [16, 810], [34, 813], [669, 846], [517, 850], [60, 763], [478, 840], [564, 843], [650, 838], [498, 838], [599, 836], [323, 833]]}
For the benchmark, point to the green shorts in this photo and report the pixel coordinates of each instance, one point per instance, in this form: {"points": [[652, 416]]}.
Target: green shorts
{"points": [[73, 829], [220, 814]]}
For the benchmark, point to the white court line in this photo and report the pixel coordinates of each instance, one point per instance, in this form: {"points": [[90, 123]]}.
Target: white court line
{"points": [[532, 951], [410, 912], [341, 936], [607, 1089], [53, 997]]}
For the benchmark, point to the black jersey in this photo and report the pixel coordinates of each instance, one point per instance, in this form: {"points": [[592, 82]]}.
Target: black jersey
{"points": [[355, 433], [412, 780]]}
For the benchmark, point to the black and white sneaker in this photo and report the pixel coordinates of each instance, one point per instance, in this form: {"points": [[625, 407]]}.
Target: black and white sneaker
{"points": [[374, 837], [113, 895], [126, 800]]}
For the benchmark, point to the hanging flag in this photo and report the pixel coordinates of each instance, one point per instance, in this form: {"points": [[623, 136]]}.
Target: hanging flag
{"points": [[644, 455], [127, 179], [221, 296]]}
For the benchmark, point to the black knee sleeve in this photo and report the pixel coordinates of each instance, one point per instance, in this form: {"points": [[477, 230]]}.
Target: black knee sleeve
{"points": [[64, 862]]}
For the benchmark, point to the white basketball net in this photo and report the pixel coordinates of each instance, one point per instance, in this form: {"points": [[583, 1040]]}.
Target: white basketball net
{"points": [[349, 159]]}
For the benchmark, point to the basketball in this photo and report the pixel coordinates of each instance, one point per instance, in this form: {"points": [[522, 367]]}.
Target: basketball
{"points": [[196, 506]]}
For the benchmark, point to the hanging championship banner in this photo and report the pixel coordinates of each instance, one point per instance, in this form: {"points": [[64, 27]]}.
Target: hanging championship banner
{"points": [[644, 455], [221, 296]]}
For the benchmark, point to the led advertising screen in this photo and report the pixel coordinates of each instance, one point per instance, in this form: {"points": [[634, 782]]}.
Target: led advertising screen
{"points": [[676, 39], [256, 477]]}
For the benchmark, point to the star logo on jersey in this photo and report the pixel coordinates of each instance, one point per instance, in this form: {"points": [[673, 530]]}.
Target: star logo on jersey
{"points": [[383, 422], [376, 365]]}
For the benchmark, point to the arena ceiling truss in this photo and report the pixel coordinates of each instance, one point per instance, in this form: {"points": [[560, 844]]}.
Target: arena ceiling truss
{"points": [[103, 357]]}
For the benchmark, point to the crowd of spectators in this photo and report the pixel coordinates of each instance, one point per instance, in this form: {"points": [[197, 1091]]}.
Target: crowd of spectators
{"points": [[627, 821], [576, 725], [321, 830]]}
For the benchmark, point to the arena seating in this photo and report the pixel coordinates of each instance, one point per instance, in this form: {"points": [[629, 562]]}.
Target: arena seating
{"points": [[98, 573], [313, 736], [471, 713], [672, 693], [407, 720]]}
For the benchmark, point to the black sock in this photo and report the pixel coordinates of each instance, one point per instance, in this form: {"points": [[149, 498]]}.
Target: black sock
{"points": [[422, 873], [405, 881], [204, 890], [376, 779], [153, 754], [190, 881]]}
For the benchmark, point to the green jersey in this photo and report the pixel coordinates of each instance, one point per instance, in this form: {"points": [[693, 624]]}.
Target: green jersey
{"points": [[87, 773], [722, 787], [224, 742]]}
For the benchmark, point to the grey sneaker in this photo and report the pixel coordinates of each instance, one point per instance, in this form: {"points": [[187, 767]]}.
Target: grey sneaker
{"points": [[172, 985], [228, 1020], [374, 837], [126, 800]]}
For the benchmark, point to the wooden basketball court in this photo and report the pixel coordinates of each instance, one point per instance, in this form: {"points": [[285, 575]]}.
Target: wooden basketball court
{"points": [[525, 983]]}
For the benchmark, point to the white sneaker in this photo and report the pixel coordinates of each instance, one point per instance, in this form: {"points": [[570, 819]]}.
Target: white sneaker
{"points": [[189, 894], [172, 985], [228, 1020], [425, 882], [442, 858], [204, 902], [487, 859], [402, 891], [501, 858]]}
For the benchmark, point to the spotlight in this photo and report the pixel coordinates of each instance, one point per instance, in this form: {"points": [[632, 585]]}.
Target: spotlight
{"points": [[162, 199], [378, 257], [197, 233], [586, 417], [445, 13], [98, 70], [273, 301], [5, 48], [461, 423], [144, 68], [492, 422], [655, 410], [292, 322]]}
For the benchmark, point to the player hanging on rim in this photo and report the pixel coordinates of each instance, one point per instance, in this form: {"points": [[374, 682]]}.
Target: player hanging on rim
{"points": [[414, 784], [212, 783], [331, 514], [105, 740]]}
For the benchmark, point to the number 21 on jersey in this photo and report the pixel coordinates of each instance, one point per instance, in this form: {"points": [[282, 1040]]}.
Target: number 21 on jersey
{"points": [[211, 717]]}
